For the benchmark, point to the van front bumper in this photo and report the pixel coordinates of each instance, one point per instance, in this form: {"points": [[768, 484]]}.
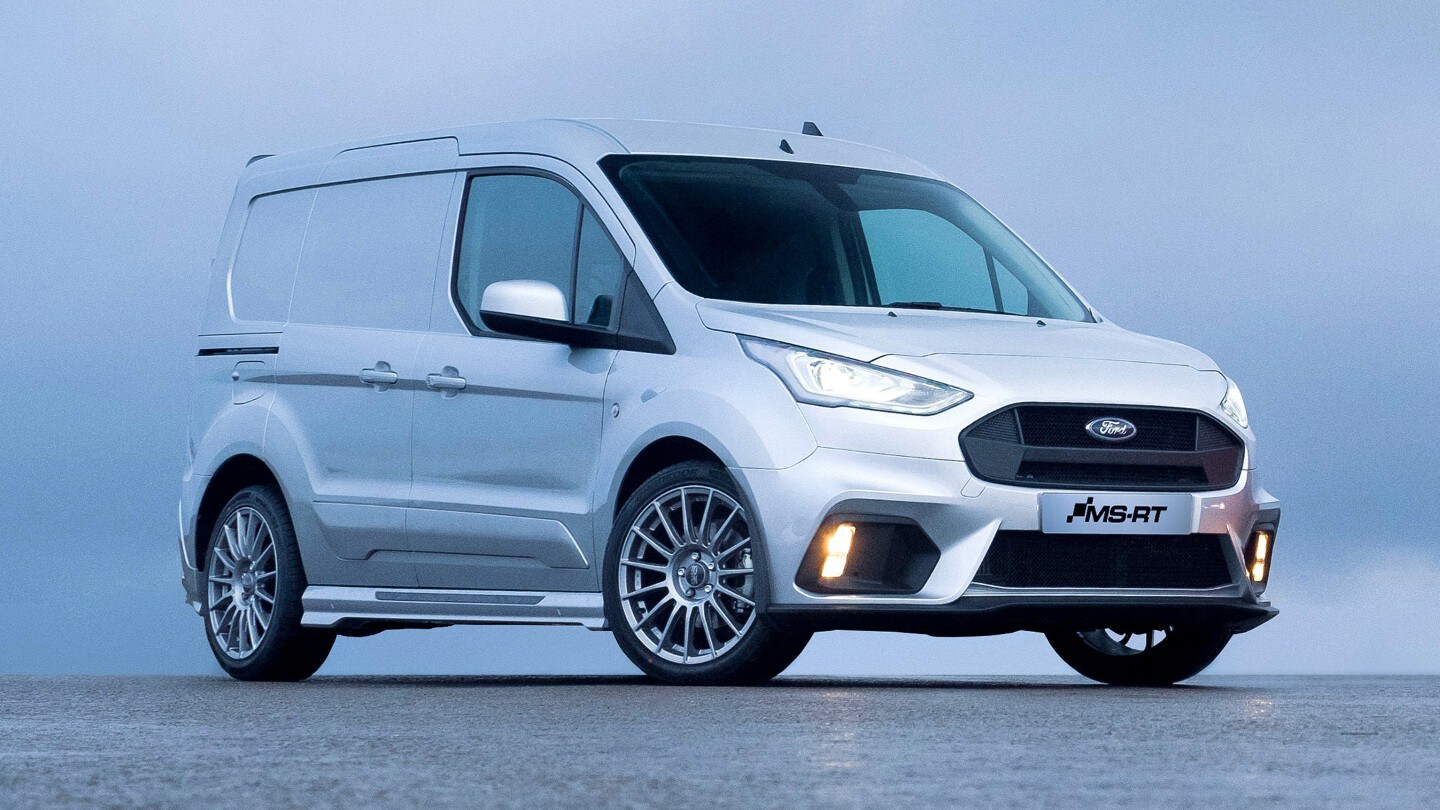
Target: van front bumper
{"points": [[994, 614], [961, 515]]}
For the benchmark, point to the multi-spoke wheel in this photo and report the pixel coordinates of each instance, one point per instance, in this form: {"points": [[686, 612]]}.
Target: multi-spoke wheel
{"points": [[1125, 642], [687, 575], [242, 583], [1154, 656], [684, 584], [252, 593]]}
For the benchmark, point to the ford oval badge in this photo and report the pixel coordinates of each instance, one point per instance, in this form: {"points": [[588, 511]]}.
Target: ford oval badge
{"points": [[1111, 429]]}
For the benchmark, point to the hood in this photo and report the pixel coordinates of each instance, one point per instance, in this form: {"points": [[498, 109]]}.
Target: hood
{"points": [[869, 334]]}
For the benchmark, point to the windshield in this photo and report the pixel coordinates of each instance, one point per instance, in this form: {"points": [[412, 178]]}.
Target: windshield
{"points": [[774, 232]]}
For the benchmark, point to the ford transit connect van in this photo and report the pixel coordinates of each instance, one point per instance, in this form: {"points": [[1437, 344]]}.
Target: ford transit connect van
{"points": [[710, 389]]}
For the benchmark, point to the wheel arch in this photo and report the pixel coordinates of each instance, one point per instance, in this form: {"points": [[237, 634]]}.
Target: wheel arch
{"points": [[236, 473], [660, 453]]}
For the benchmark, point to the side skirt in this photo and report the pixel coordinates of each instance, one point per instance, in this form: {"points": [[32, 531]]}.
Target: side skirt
{"points": [[337, 606]]}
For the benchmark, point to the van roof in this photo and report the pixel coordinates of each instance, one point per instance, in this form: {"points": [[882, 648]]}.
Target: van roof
{"points": [[585, 141]]}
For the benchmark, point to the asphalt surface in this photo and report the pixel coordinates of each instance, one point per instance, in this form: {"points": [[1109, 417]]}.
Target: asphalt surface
{"points": [[601, 742]]}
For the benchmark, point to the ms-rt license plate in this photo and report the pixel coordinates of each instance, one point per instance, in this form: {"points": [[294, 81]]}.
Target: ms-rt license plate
{"points": [[1159, 513]]}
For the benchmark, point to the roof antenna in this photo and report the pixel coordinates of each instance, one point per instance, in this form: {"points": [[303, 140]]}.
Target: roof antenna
{"points": [[786, 147], [811, 129]]}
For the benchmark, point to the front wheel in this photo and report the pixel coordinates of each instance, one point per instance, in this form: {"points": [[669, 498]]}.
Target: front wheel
{"points": [[1151, 657], [685, 583]]}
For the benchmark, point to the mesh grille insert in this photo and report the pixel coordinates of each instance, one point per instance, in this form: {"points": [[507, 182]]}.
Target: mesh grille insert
{"points": [[1002, 427], [1064, 426], [1024, 559], [1210, 436], [1063, 473]]}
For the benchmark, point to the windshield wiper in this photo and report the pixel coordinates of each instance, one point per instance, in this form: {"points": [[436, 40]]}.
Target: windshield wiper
{"points": [[936, 305]]}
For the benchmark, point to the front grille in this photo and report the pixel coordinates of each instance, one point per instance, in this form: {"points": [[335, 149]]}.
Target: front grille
{"points": [[1116, 476], [1211, 436], [1026, 559], [1002, 427], [1046, 445], [1059, 426]]}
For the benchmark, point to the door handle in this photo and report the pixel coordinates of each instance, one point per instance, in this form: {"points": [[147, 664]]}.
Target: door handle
{"points": [[447, 380], [380, 375]]}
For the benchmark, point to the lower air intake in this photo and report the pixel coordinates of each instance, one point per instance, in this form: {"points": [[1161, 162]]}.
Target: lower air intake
{"points": [[1025, 559]]}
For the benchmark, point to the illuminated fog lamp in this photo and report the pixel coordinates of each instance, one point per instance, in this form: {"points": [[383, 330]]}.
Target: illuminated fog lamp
{"points": [[837, 551], [1262, 557]]}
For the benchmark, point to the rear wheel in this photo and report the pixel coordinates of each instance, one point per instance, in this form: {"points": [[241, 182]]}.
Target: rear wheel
{"points": [[685, 583], [253, 584], [1152, 657]]}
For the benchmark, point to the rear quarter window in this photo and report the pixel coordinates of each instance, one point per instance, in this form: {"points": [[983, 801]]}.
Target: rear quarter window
{"points": [[263, 272]]}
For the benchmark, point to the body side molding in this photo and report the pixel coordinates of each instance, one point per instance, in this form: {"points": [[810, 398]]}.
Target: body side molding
{"points": [[330, 605]]}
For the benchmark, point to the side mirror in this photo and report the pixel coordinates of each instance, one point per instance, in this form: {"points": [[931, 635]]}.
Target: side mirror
{"points": [[528, 299], [537, 310]]}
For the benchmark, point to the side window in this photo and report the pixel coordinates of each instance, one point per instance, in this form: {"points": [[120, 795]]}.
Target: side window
{"points": [[599, 267], [914, 253], [516, 227], [264, 269], [519, 226], [371, 253]]}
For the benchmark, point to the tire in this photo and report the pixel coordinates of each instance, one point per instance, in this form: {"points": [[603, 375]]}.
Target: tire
{"points": [[1182, 653], [728, 641], [252, 591]]}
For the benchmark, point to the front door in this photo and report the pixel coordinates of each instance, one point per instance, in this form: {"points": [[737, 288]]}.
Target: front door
{"points": [[507, 430]]}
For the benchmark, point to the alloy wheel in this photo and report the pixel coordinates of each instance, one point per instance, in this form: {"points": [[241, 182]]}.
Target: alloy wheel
{"points": [[241, 583], [687, 575], [1125, 642]]}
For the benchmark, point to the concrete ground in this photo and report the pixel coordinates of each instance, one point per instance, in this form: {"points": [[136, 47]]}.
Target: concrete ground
{"points": [[603, 742]]}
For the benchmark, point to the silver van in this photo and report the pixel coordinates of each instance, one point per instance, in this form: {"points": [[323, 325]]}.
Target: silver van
{"points": [[710, 389]]}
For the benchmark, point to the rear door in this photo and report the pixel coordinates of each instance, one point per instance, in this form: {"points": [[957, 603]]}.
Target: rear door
{"points": [[507, 430], [347, 367]]}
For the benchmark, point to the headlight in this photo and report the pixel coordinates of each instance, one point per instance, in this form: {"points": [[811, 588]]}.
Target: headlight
{"points": [[1234, 405], [824, 379]]}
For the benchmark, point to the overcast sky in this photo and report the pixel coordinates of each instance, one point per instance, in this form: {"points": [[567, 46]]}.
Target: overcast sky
{"points": [[1260, 182]]}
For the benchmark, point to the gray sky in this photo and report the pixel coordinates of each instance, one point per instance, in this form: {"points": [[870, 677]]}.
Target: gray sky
{"points": [[1259, 182]]}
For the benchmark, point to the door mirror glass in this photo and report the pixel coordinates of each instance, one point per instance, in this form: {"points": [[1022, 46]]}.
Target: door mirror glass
{"points": [[527, 299]]}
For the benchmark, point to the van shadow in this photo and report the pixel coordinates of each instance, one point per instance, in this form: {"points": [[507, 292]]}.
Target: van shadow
{"points": [[998, 683]]}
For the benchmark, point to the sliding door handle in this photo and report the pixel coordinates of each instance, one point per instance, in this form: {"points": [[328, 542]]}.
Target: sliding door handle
{"points": [[380, 375], [447, 380]]}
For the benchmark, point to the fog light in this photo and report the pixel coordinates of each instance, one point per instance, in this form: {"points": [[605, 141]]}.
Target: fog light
{"points": [[1261, 557], [867, 554], [837, 551]]}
